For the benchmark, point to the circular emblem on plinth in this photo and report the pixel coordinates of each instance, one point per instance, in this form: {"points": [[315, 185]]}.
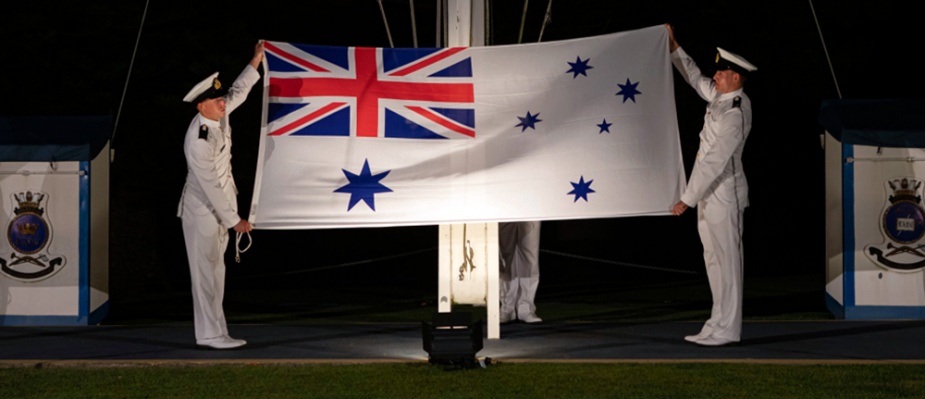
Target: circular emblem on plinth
{"points": [[904, 222], [903, 226], [28, 233]]}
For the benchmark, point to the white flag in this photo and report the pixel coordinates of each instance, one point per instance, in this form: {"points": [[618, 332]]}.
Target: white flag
{"points": [[573, 129]]}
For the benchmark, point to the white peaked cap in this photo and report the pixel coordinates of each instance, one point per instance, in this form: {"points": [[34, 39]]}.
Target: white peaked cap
{"points": [[734, 61], [201, 88]]}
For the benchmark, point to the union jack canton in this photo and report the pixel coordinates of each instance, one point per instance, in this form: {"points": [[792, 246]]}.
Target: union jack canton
{"points": [[369, 92]]}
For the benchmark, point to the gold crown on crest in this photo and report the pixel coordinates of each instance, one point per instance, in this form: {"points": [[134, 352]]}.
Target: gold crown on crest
{"points": [[29, 202], [28, 228], [905, 189]]}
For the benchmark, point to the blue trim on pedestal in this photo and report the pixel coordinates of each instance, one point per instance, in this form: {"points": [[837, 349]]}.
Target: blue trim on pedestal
{"points": [[848, 239], [873, 312], [836, 308], [97, 315], [884, 312], [83, 182], [27, 320]]}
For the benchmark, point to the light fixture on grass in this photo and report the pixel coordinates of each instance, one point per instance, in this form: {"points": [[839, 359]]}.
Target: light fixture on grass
{"points": [[452, 339]]}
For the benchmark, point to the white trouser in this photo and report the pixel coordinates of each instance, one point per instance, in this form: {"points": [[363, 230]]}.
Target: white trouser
{"points": [[720, 231], [519, 244], [206, 241]]}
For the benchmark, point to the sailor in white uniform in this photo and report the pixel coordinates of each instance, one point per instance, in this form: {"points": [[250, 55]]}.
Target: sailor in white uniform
{"points": [[519, 247], [208, 206], [717, 186]]}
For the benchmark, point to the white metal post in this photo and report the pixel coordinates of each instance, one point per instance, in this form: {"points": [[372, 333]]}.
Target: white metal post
{"points": [[473, 244]]}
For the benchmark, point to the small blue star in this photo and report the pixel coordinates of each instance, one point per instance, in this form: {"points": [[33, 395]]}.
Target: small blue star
{"points": [[528, 121], [605, 127], [581, 189], [628, 91], [363, 186], [579, 67]]}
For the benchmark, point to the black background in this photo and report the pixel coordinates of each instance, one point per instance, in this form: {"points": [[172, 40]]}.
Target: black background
{"points": [[78, 58]]}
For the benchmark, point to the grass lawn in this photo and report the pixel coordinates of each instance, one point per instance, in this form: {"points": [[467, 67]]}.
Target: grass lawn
{"points": [[421, 380]]}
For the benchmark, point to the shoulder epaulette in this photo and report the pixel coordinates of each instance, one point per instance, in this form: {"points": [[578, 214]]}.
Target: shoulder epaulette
{"points": [[737, 102], [204, 132]]}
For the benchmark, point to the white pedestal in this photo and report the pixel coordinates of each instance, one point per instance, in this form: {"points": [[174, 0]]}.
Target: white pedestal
{"points": [[875, 229], [468, 270], [54, 260]]}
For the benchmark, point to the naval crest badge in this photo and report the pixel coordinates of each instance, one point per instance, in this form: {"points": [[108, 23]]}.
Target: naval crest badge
{"points": [[29, 234], [903, 226]]}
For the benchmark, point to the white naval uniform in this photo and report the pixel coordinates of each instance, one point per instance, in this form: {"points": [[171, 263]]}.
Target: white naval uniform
{"points": [[717, 187], [519, 245], [208, 208]]}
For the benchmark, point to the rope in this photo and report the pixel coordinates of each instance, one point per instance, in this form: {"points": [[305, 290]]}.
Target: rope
{"points": [[663, 269], [523, 20], [414, 26], [386, 21], [489, 23], [237, 245], [439, 23], [348, 264], [824, 49], [546, 20], [125, 89], [410, 253]]}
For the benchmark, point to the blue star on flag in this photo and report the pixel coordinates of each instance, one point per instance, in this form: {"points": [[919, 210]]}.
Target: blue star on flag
{"points": [[579, 67], [363, 186], [581, 189], [528, 121], [628, 91], [605, 127]]}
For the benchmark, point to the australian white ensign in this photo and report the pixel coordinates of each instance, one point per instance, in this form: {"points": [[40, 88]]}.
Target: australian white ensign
{"points": [[573, 129]]}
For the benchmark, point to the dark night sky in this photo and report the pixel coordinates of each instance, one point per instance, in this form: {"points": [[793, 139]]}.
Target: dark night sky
{"points": [[72, 58]]}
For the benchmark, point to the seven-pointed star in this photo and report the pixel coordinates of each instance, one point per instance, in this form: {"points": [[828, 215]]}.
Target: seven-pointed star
{"points": [[581, 189], [528, 121], [628, 91], [579, 67], [605, 127], [363, 186]]}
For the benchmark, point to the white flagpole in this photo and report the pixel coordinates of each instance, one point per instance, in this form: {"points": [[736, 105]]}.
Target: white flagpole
{"points": [[466, 27]]}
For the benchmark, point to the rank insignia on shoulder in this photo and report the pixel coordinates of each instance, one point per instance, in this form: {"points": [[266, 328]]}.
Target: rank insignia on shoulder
{"points": [[204, 132], [737, 102]]}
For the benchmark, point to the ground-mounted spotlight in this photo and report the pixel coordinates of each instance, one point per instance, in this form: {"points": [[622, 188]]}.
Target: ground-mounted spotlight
{"points": [[453, 339]]}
